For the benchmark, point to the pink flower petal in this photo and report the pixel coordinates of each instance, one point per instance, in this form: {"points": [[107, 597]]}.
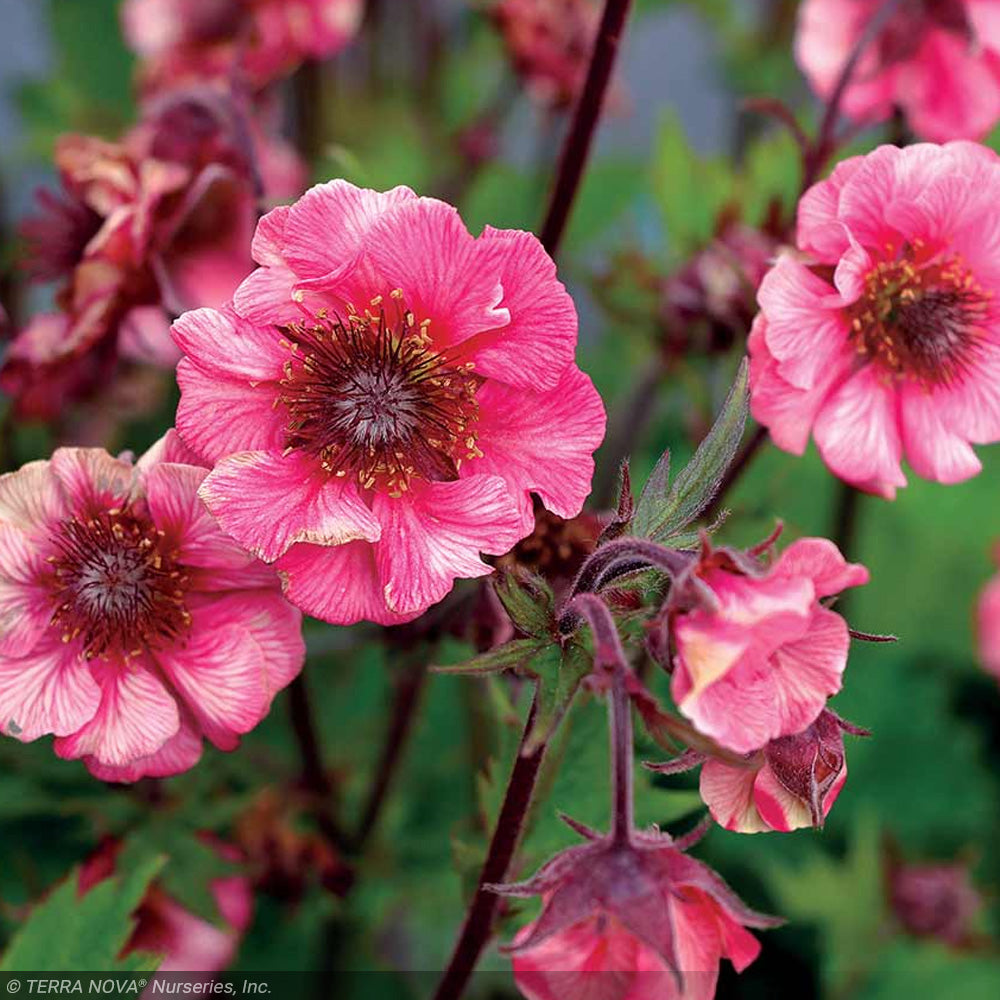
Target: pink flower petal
{"points": [[50, 691], [988, 620], [820, 232], [934, 451], [169, 448], [777, 807], [224, 344], [32, 499], [339, 584], [728, 793], [179, 754], [136, 717], [267, 297], [433, 535], [25, 606], [268, 502], [144, 336], [267, 247], [543, 324], [857, 432], [821, 561], [92, 479], [542, 441]]}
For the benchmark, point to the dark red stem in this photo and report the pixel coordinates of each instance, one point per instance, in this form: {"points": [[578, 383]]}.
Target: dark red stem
{"points": [[479, 920], [573, 159], [620, 735]]}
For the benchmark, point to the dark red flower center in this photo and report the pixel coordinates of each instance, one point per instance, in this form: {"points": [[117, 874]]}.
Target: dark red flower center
{"points": [[372, 399], [921, 320], [116, 585]]}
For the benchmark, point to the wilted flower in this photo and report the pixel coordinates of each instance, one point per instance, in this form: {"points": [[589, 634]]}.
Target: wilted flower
{"points": [[989, 627], [186, 942], [632, 919], [130, 625], [549, 43], [884, 338], [142, 230], [382, 399], [252, 41], [791, 783], [938, 60], [935, 900], [757, 654]]}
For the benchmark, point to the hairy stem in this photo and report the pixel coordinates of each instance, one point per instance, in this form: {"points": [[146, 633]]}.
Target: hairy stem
{"points": [[620, 735], [479, 919], [573, 159]]}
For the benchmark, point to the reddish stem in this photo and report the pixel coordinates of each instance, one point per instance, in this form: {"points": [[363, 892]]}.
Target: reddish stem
{"points": [[620, 735], [576, 150], [479, 919]]}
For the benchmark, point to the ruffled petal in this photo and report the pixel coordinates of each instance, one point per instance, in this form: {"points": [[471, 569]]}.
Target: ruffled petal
{"points": [[267, 246], [542, 442], [267, 297], [179, 754], [268, 502], [144, 336], [935, 451], [32, 499], [222, 343], [819, 560], [857, 432], [728, 793], [820, 232], [169, 448], [25, 606], [92, 480], [433, 535]]}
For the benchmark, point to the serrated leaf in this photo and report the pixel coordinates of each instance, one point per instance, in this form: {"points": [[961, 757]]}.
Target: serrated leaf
{"points": [[69, 933], [656, 488], [528, 599], [560, 673], [510, 656], [664, 517]]}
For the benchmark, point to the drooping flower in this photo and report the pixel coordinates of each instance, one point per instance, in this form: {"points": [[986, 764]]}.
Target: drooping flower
{"points": [[249, 41], [937, 60], [549, 43], [130, 625], [630, 920], [383, 397], [882, 338], [757, 654], [163, 927], [143, 229], [790, 784], [988, 620]]}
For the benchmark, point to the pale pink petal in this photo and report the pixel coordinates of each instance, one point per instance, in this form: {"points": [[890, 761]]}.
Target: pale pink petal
{"points": [[268, 502], [144, 336], [179, 754], [804, 336], [423, 248], [169, 448], [136, 717], [32, 499], [820, 231], [433, 535], [50, 691], [934, 451], [819, 560], [222, 343], [217, 416], [857, 432], [218, 669], [327, 227], [971, 405], [728, 793], [542, 442], [268, 243], [339, 584], [543, 325], [195, 945], [25, 606], [267, 297], [777, 807]]}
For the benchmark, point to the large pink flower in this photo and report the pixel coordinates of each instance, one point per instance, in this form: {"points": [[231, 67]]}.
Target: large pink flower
{"points": [[938, 60], [130, 625], [253, 40], [989, 626], [383, 397], [758, 656], [882, 337]]}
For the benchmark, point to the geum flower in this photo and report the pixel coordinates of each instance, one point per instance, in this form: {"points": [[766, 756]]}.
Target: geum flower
{"points": [[383, 397], [630, 920], [789, 784], [142, 230], [937, 60], [882, 338], [130, 625], [756, 652], [246, 41]]}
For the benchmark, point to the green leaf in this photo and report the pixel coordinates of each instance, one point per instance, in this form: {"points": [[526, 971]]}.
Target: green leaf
{"points": [[662, 517], [510, 656], [560, 672], [67, 933]]}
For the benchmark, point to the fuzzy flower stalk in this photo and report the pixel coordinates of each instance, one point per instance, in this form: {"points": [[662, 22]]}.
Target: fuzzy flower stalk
{"points": [[627, 914], [382, 397]]}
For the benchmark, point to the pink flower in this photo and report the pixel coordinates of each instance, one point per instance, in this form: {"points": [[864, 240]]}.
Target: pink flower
{"points": [[938, 60], [256, 41], [757, 655], [883, 337], [143, 229], [791, 783], [383, 397], [633, 920], [549, 43], [989, 626], [186, 942], [130, 626]]}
